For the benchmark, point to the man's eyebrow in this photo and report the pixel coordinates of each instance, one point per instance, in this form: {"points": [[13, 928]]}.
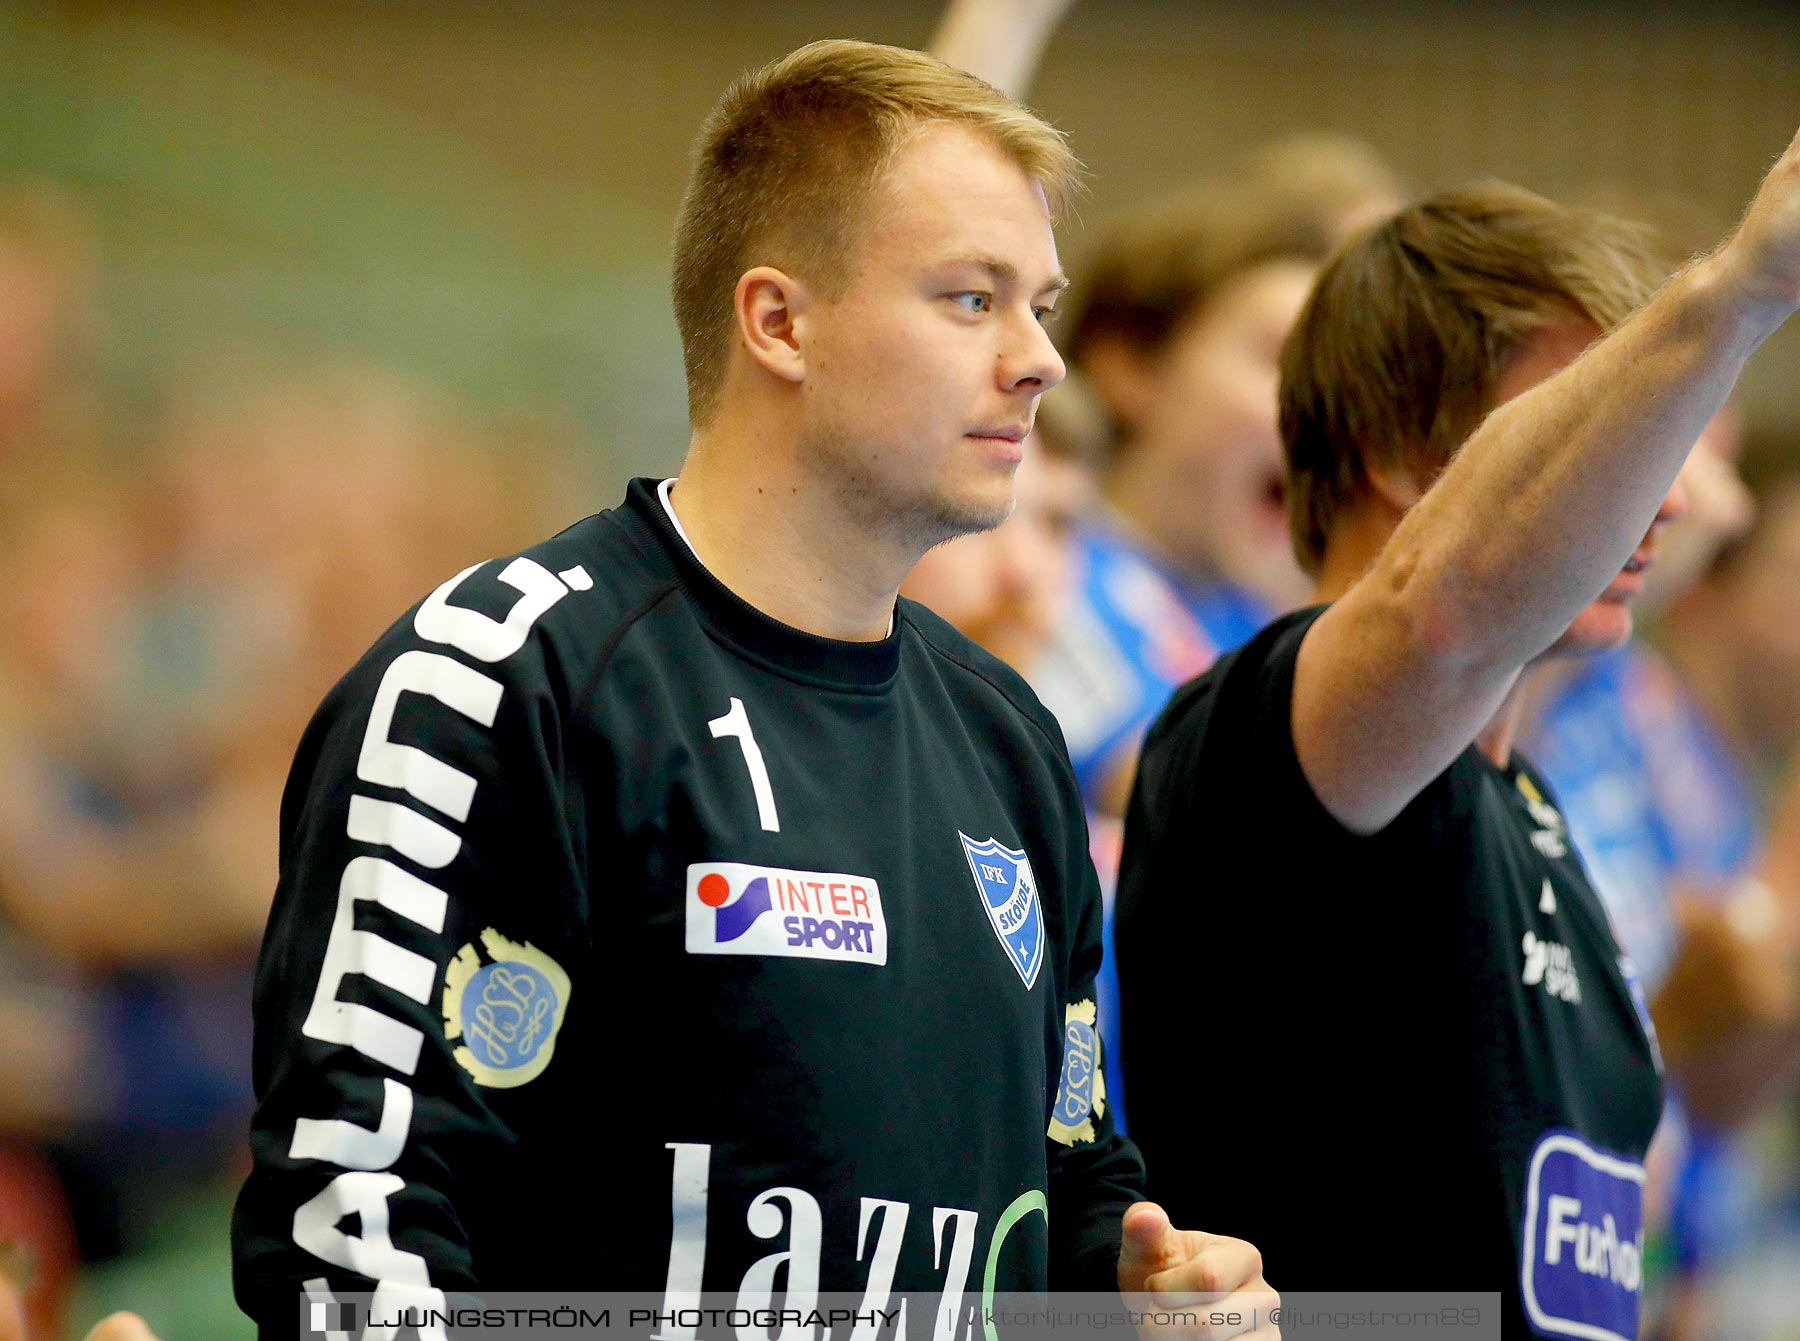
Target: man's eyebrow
{"points": [[1007, 273]]}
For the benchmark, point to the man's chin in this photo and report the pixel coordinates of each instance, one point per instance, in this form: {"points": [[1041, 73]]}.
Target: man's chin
{"points": [[1602, 626], [933, 524]]}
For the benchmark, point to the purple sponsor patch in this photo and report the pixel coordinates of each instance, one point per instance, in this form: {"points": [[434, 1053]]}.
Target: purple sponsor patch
{"points": [[1583, 1264]]}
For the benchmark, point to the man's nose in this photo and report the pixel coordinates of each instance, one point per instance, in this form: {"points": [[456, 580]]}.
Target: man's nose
{"points": [[1030, 362]]}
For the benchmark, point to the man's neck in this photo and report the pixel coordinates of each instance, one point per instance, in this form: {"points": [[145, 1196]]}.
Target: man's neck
{"points": [[1542, 681], [1496, 739], [779, 538]]}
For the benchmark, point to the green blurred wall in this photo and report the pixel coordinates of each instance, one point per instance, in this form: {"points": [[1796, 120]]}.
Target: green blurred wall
{"points": [[481, 192]]}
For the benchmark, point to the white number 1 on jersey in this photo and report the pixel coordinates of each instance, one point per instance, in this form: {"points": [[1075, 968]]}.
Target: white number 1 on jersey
{"points": [[737, 723]]}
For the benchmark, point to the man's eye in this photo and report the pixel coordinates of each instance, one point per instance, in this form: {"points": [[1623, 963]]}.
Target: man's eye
{"points": [[1044, 315], [974, 302]]}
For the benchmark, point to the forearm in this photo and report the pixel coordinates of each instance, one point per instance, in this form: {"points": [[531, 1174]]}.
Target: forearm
{"points": [[1557, 488], [997, 40], [1091, 1189]]}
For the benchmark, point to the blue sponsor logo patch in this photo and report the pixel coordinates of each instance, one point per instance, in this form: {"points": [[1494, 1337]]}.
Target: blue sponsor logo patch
{"points": [[506, 1013], [503, 1009], [1008, 892], [1583, 1267], [1075, 1093], [1081, 1088]]}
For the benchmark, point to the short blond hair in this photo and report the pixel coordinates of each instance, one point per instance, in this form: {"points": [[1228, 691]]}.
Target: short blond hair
{"points": [[788, 160], [1398, 353]]}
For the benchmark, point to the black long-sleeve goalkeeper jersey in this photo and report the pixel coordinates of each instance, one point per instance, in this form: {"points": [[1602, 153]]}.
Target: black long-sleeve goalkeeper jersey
{"points": [[629, 939]]}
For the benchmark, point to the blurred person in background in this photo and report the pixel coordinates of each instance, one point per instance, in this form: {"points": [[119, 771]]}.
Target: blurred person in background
{"points": [[1177, 326], [176, 618], [1005, 588], [1734, 637], [61, 554], [1731, 1004]]}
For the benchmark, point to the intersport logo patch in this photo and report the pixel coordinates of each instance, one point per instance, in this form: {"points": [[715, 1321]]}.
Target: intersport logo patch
{"points": [[734, 908]]}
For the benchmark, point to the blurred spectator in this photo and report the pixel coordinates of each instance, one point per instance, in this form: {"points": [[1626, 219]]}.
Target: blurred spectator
{"points": [[49, 467], [48, 284], [1177, 326], [1337, 179], [176, 617], [1735, 637], [1732, 639], [176, 633]]}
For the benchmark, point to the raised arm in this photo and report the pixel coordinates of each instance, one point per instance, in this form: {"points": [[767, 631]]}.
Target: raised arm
{"points": [[1529, 523], [1000, 41]]}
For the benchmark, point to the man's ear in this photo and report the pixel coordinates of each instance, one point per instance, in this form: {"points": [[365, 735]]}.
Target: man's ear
{"points": [[1394, 485], [771, 307], [1124, 378]]}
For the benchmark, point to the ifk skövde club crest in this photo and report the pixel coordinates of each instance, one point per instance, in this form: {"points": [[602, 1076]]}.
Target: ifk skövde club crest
{"points": [[1008, 891]]}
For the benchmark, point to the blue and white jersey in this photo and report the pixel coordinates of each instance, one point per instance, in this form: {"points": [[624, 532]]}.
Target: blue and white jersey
{"points": [[1127, 639], [1652, 797], [1228, 614]]}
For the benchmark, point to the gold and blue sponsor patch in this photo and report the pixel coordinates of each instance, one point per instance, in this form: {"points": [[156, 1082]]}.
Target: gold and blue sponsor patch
{"points": [[504, 1009], [1081, 1087]]}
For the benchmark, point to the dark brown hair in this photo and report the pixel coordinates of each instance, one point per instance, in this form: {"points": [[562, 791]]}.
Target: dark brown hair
{"points": [[1396, 356]]}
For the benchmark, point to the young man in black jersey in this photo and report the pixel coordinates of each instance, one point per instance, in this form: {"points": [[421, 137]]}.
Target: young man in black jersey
{"points": [[1332, 843], [673, 882]]}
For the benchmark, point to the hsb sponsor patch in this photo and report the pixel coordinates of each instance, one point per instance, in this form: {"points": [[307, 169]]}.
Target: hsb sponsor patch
{"points": [[504, 1013], [1583, 1267], [734, 908], [1081, 1090]]}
